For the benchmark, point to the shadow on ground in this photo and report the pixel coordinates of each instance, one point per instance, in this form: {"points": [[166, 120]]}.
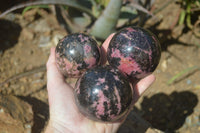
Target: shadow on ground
{"points": [[168, 112], [41, 113], [166, 38], [134, 123], [9, 34]]}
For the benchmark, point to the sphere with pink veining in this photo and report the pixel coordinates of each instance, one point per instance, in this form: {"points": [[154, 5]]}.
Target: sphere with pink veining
{"points": [[76, 53], [103, 94], [134, 51]]}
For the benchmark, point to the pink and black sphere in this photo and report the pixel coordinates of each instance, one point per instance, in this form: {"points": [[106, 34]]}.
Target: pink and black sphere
{"points": [[76, 53], [134, 51]]}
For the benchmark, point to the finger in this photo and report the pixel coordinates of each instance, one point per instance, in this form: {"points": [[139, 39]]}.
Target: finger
{"points": [[52, 71], [145, 83], [104, 48], [142, 86]]}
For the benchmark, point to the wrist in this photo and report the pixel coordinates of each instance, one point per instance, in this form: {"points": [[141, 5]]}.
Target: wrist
{"points": [[55, 128]]}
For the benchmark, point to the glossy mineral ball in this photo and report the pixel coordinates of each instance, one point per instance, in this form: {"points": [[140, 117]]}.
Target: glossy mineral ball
{"points": [[76, 53], [103, 94], [135, 51]]}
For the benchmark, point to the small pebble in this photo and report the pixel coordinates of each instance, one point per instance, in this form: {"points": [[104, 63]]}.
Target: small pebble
{"points": [[188, 81], [188, 121], [1, 110], [27, 126], [44, 41], [164, 65]]}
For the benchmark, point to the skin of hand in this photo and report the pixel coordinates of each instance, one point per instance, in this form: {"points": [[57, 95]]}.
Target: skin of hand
{"points": [[64, 115]]}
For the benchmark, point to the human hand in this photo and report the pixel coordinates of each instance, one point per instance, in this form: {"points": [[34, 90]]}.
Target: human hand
{"points": [[64, 115]]}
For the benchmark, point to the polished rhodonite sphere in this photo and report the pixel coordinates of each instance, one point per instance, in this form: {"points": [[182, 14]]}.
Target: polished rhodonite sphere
{"points": [[76, 53], [103, 94], [134, 51]]}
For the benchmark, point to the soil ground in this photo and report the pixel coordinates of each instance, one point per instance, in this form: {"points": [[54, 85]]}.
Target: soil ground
{"points": [[25, 43]]}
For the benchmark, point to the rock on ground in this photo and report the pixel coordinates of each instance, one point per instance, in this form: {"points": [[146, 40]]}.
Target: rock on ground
{"points": [[16, 116]]}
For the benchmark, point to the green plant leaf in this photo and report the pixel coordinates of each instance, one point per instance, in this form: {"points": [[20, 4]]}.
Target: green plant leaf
{"points": [[182, 17], [32, 7], [106, 23], [181, 73]]}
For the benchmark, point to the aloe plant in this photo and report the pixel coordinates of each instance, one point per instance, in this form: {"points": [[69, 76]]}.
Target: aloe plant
{"points": [[103, 21], [106, 23]]}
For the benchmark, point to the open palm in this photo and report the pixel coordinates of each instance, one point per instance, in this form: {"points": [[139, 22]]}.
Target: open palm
{"points": [[64, 115]]}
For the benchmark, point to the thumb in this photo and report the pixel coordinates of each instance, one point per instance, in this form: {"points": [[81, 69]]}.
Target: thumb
{"points": [[56, 85]]}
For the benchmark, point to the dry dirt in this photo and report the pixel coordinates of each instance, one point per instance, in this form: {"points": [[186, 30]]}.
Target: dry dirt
{"points": [[25, 43]]}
